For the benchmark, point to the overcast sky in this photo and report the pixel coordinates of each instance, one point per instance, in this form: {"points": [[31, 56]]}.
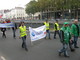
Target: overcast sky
{"points": [[9, 4]]}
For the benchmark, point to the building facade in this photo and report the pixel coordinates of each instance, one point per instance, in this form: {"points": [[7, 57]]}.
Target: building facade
{"points": [[16, 13]]}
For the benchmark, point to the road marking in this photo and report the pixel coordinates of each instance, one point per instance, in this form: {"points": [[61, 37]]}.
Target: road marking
{"points": [[3, 58]]}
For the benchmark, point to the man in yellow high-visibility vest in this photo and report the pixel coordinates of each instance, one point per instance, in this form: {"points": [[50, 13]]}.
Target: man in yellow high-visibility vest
{"points": [[46, 23], [23, 34], [56, 29]]}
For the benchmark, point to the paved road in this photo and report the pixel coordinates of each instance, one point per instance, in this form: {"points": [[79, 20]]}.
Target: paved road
{"points": [[10, 49]]}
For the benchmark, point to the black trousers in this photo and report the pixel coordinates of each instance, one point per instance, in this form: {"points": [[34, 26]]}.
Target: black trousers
{"points": [[56, 32], [4, 35], [14, 34]]}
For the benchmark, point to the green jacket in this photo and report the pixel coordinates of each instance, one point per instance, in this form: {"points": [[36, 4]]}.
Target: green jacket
{"points": [[65, 34], [74, 30]]}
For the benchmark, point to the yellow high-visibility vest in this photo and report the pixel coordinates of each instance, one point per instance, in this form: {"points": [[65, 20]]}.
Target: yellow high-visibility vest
{"points": [[22, 31], [47, 25], [57, 26]]}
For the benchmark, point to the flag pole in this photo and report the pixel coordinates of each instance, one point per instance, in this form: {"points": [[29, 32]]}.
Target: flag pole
{"points": [[31, 43]]}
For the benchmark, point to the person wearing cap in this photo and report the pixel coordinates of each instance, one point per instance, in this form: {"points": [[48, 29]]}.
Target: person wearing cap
{"points": [[56, 29], [23, 34], [65, 39], [46, 23], [75, 30]]}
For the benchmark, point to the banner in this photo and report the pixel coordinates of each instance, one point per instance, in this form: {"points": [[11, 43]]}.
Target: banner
{"points": [[6, 25], [37, 33]]}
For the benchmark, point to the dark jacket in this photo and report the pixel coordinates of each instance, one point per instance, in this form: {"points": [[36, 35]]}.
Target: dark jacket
{"points": [[15, 26]]}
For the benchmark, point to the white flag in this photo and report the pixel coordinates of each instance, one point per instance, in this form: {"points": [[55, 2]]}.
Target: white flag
{"points": [[37, 33]]}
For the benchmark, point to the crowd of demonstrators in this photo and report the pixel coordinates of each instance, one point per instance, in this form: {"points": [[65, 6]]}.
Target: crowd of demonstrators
{"points": [[4, 29], [68, 35]]}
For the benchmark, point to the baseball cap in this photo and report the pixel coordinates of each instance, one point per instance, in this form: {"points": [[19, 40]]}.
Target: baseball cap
{"points": [[66, 22]]}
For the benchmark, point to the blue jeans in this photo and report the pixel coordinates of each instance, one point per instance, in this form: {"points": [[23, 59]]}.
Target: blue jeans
{"points": [[48, 32], [75, 40], [64, 49], [24, 42]]}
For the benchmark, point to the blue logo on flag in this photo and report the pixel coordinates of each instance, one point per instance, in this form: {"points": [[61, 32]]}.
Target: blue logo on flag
{"points": [[33, 34]]}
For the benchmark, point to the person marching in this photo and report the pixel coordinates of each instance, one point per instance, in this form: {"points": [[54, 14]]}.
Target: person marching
{"points": [[75, 32], [14, 30], [23, 34], [3, 30], [46, 23], [56, 29], [65, 39]]}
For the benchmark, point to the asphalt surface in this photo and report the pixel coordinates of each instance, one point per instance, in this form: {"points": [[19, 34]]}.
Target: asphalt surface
{"points": [[44, 49]]}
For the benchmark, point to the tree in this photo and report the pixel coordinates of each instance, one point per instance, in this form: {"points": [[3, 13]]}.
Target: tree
{"points": [[31, 7], [51, 5]]}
